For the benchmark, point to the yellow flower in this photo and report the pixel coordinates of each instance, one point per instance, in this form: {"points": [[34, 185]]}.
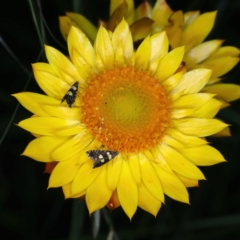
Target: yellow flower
{"points": [[183, 29], [138, 103]]}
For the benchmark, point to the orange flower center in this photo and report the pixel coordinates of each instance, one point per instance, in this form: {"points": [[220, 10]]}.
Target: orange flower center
{"points": [[126, 109]]}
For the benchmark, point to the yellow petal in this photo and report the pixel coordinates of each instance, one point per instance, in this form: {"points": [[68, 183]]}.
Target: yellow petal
{"points": [[46, 125], [80, 46], [99, 62], [174, 39], [143, 54], [181, 113], [192, 82], [135, 168], [71, 130], [85, 70], [213, 80], [223, 133], [220, 66], [226, 92], [224, 104], [157, 52], [127, 190], [63, 173], [67, 191], [160, 160], [195, 33], [172, 141], [149, 155], [103, 47], [208, 110], [64, 25], [62, 111], [202, 51], [174, 30], [119, 57], [203, 155], [190, 16], [114, 4], [179, 163], [192, 100], [143, 10], [98, 194], [200, 127], [61, 65], [40, 149], [186, 140], [48, 81], [72, 147], [176, 21], [172, 186], [188, 182], [150, 178], [84, 177], [129, 16], [33, 102], [122, 36], [113, 172], [84, 24], [169, 63], [225, 51], [117, 16], [160, 14], [171, 82], [147, 201]]}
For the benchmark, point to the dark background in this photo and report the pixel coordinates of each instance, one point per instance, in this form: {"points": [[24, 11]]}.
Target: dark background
{"points": [[29, 211]]}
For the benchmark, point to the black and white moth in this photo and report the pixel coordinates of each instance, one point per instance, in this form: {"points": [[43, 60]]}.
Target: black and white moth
{"points": [[71, 94], [100, 157]]}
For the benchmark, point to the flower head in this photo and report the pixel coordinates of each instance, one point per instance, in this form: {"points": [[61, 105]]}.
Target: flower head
{"points": [[141, 105]]}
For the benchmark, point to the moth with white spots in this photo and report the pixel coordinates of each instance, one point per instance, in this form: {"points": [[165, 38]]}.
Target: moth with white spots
{"points": [[71, 95], [101, 157]]}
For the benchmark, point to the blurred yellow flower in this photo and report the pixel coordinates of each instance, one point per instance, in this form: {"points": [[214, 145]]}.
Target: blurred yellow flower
{"points": [[138, 103], [189, 30], [183, 29]]}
